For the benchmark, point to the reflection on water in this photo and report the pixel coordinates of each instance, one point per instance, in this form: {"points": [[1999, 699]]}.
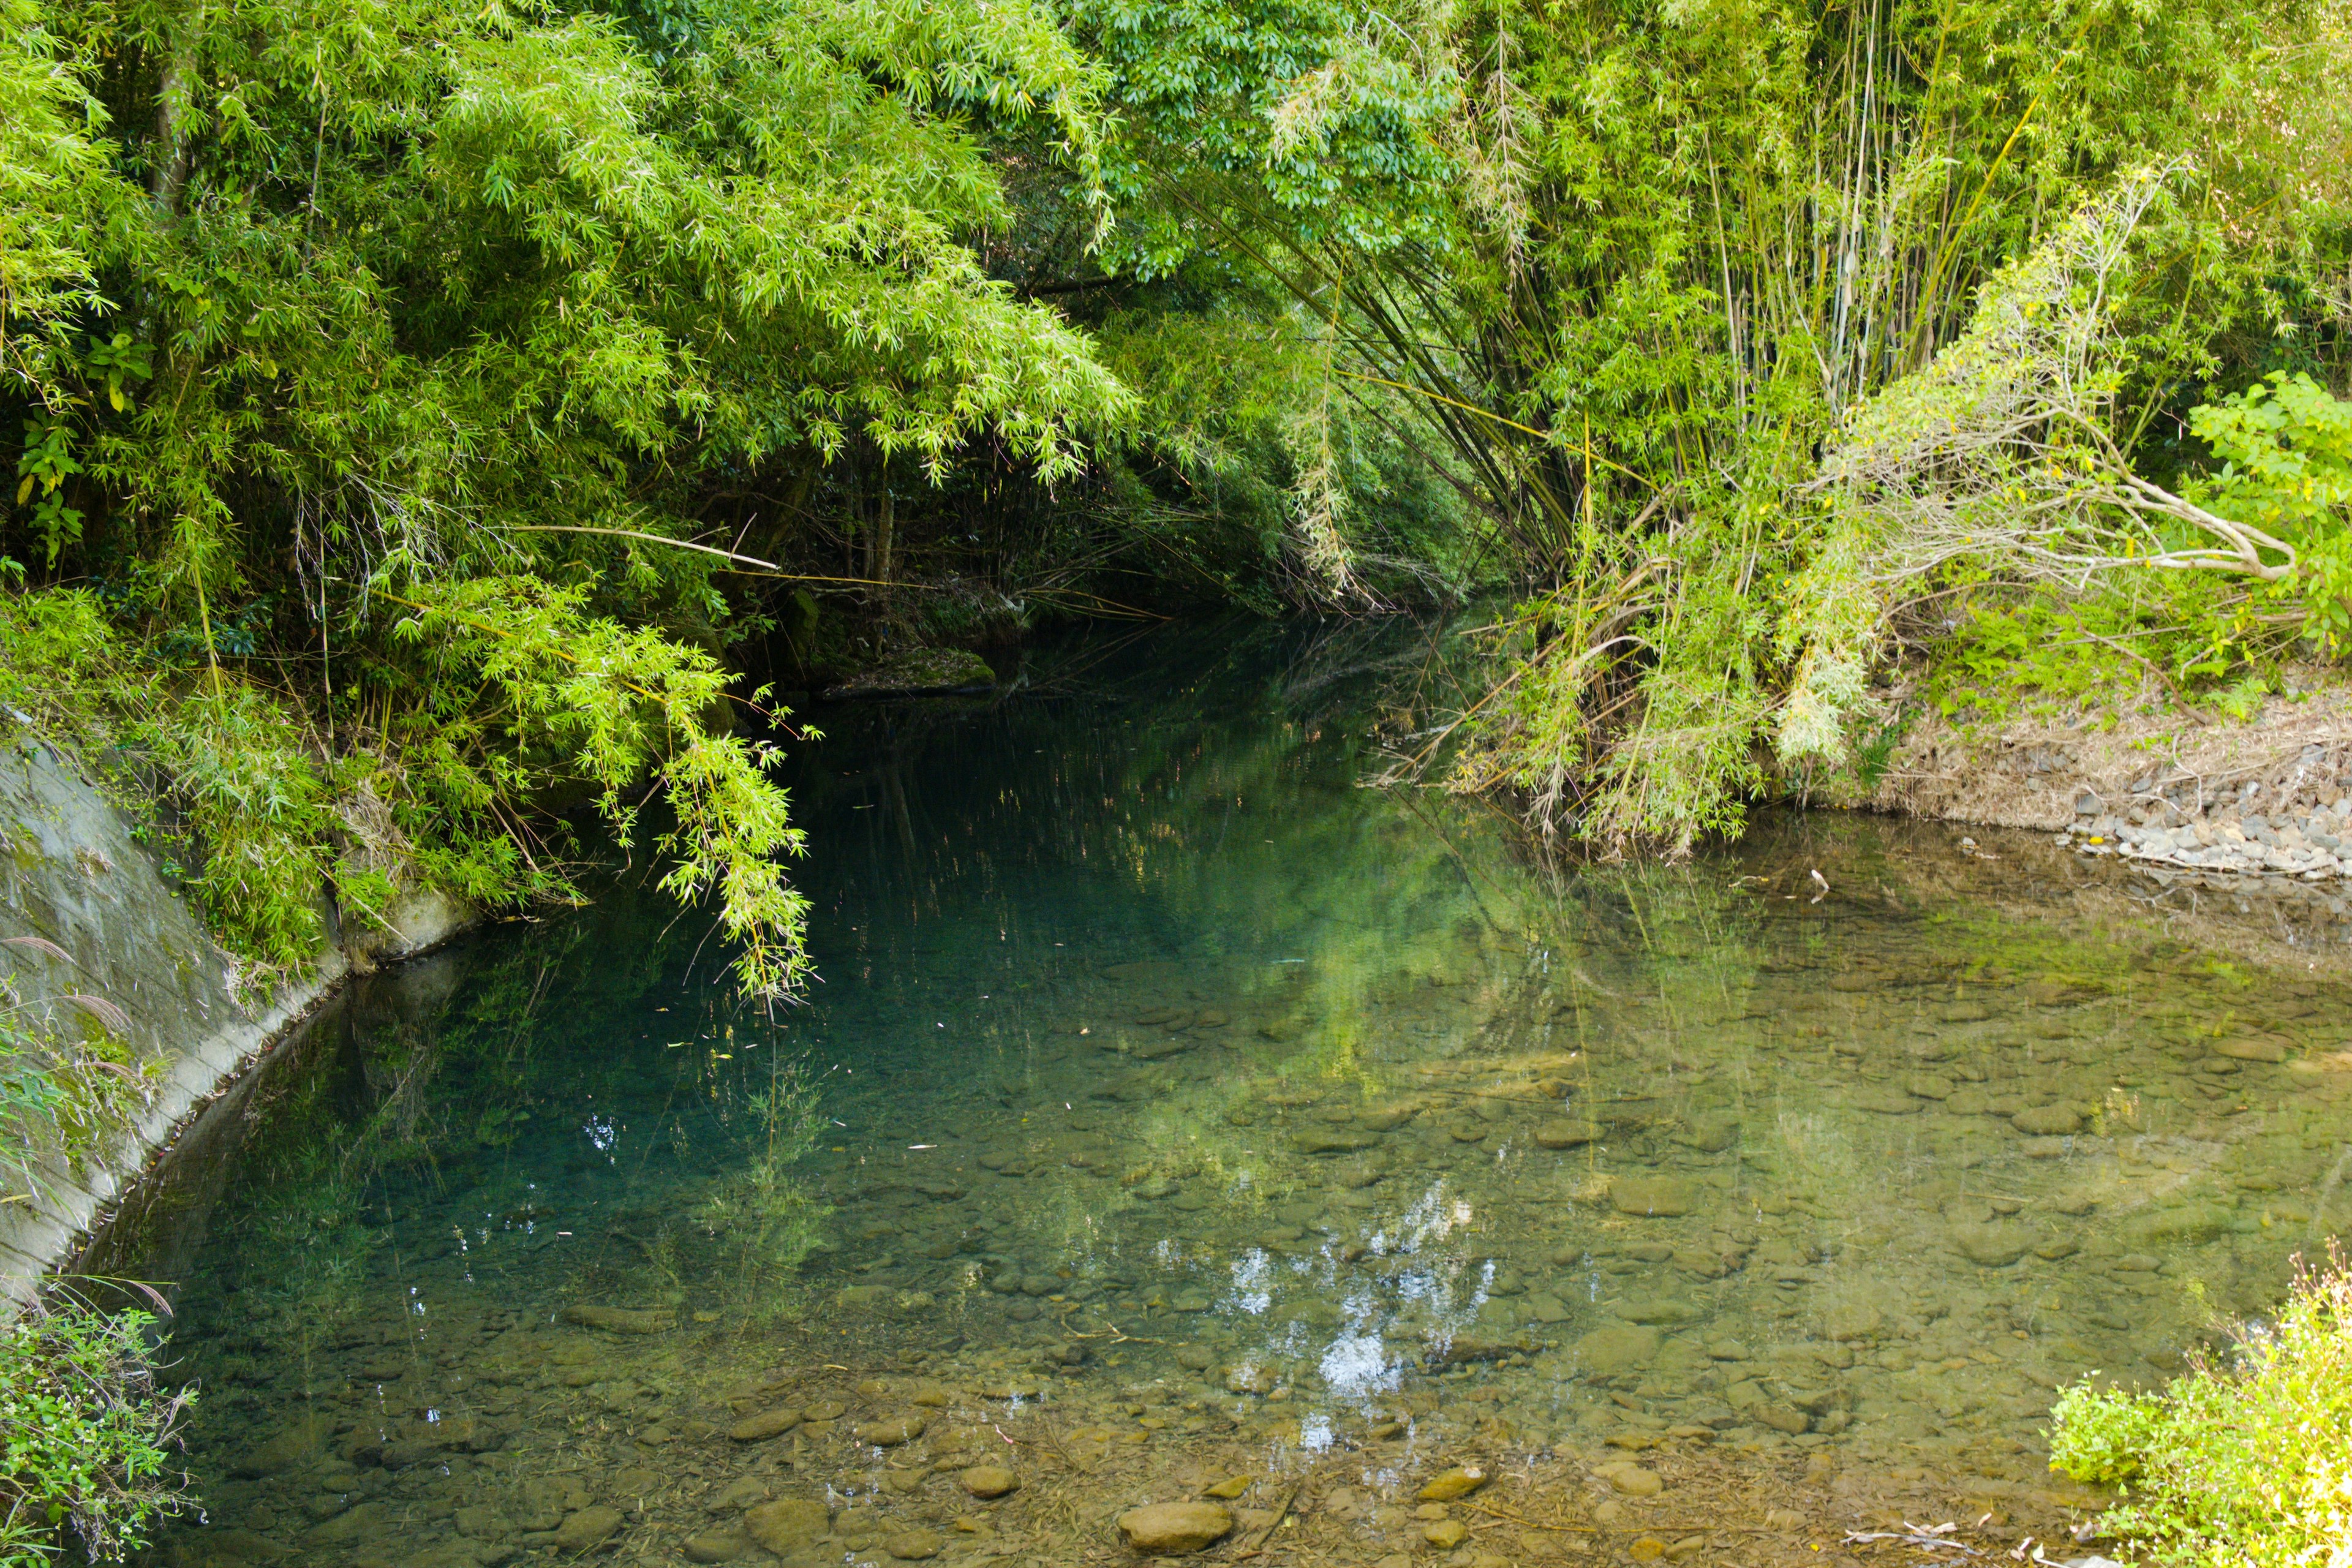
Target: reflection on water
{"points": [[1173, 1109]]}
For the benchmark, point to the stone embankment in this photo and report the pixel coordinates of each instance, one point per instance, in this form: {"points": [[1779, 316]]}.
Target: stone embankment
{"points": [[2301, 825]]}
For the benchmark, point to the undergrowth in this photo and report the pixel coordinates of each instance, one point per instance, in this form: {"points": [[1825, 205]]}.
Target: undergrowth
{"points": [[2247, 1465], [85, 1437], [2187, 643]]}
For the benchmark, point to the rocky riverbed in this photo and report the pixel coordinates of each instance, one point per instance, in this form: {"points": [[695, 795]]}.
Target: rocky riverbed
{"points": [[1829, 1237]]}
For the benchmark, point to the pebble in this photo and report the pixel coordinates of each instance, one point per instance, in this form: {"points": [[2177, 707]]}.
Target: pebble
{"points": [[914, 1546], [1445, 1534], [1457, 1482], [1605, 1352], [1993, 1245], [1632, 1478], [1249, 1377]]}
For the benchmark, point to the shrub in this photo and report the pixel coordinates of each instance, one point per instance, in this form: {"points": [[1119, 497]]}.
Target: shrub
{"points": [[2242, 1466], [83, 1435]]}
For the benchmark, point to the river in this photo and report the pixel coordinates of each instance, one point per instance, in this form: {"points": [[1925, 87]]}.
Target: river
{"points": [[1176, 1119]]}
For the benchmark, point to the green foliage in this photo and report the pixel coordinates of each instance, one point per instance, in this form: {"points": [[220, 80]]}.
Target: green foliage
{"points": [[2242, 1465], [2284, 446], [83, 1435], [315, 315]]}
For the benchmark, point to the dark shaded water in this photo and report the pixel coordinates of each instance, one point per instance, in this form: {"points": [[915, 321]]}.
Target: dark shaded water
{"points": [[1171, 1092]]}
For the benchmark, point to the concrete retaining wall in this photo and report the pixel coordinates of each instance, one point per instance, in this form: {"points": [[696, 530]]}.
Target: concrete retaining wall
{"points": [[73, 873]]}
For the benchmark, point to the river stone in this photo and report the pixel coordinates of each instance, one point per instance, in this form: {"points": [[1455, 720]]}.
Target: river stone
{"points": [[298, 1443], [2172, 1225], [914, 1546], [1604, 1352], [788, 1524], [889, 1431], [1249, 1377], [1927, 1085], [1335, 1140], [1386, 1118], [1885, 1101], [366, 1521], [1655, 1197], [1658, 1309], [2047, 1120], [1445, 1534], [1558, 1134], [718, 1546], [2250, 1050], [1457, 1482], [1852, 1320], [1631, 1478], [621, 1319], [823, 1410], [1545, 1308], [240, 1546], [1171, 1528], [744, 1491], [587, 1529], [1782, 1417], [988, 1481], [766, 1424], [1994, 1245], [480, 1523], [1710, 1135]]}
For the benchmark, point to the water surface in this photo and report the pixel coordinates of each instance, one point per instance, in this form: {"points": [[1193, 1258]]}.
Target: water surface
{"points": [[1174, 1108]]}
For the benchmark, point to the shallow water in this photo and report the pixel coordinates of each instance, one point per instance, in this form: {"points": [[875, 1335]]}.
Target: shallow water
{"points": [[1171, 1103]]}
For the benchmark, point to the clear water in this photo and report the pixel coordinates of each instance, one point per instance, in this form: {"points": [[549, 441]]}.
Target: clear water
{"points": [[1171, 1107]]}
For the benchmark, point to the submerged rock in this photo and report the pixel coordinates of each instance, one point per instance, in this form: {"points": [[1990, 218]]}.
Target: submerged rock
{"points": [[621, 1319], [1172, 1528], [2047, 1120], [1605, 1352], [988, 1481], [920, 672], [889, 1431], [1994, 1245], [766, 1424], [784, 1526], [587, 1529], [1457, 1482], [1654, 1197]]}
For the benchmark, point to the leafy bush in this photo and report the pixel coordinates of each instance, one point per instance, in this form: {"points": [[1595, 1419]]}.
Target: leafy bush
{"points": [[83, 1435], [2240, 1467]]}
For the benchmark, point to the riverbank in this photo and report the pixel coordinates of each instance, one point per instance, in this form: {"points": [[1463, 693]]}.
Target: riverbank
{"points": [[2192, 796]]}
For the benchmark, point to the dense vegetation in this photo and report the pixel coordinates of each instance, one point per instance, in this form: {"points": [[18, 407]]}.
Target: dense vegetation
{"points": [[435, 417], [2238, 1464]]}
